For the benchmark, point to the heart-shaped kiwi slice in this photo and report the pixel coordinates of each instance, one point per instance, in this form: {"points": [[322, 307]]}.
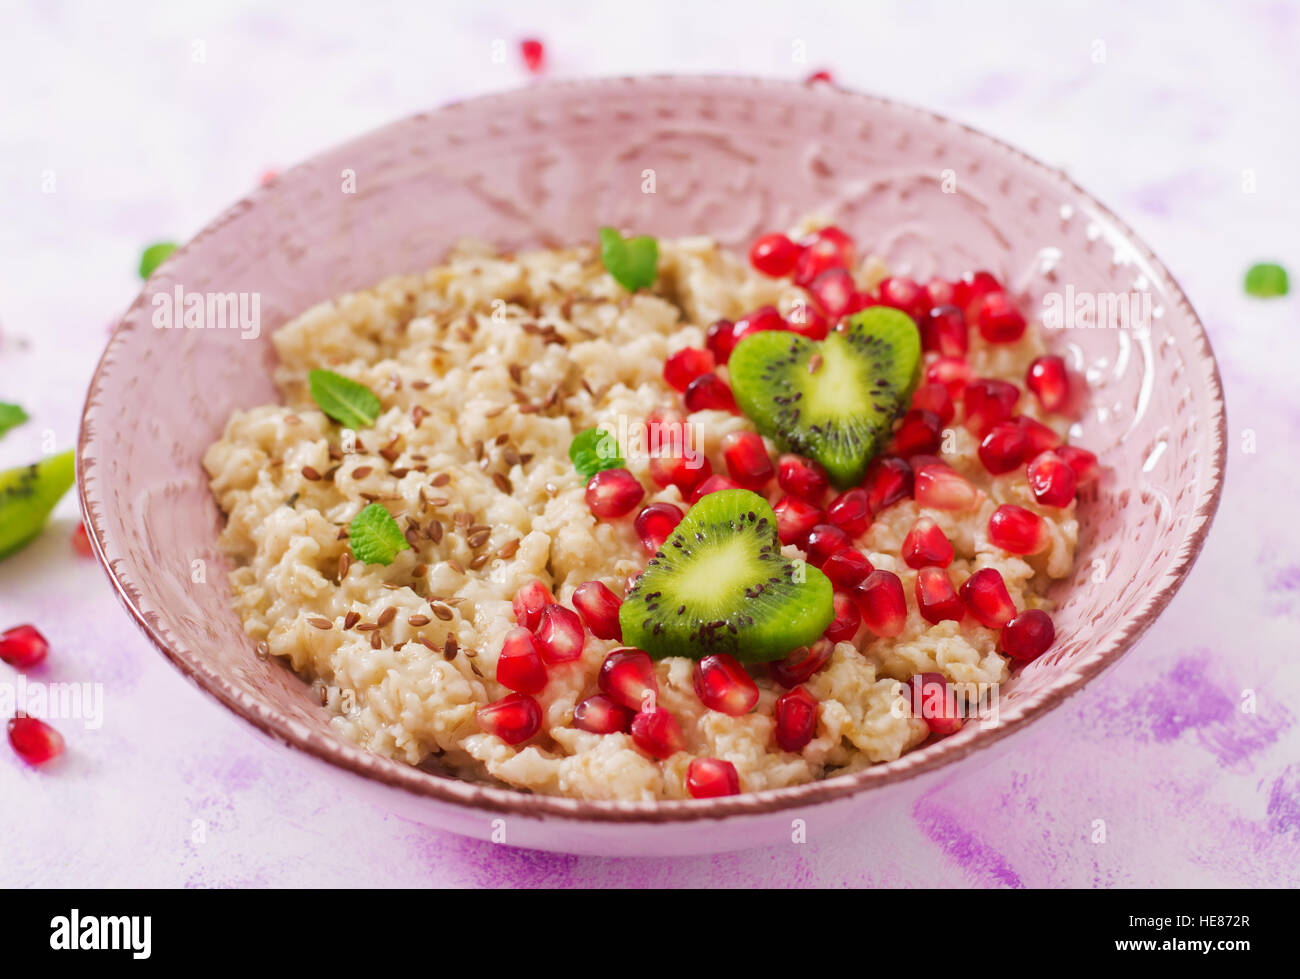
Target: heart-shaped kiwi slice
{"points": [[719, 584], [834, 400]]}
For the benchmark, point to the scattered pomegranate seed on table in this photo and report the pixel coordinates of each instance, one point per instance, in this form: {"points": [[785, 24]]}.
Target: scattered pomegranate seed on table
{"points": [[1028, 635], [657, 733], [722, 684], [628, 676], [654, 523], [599, 607], [34, 740], [81, 541], [1017, 530], [748, 463], [987, 599], [514, 718], [822, 76], [534, 55], [613, 493], [711, 778], [599, 714], [802, 663], [559, 635], [519, 665], [883, 605], [23, 646], [796, 719]]}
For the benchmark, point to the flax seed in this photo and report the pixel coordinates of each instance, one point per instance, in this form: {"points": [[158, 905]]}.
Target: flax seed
{"points": [[367, 627], [435, 531], [442, 479], [345, 562], [510, 455], [342, 534], [418, 620], [361, 472], [493, 412], [351, 619], [386, 616], [419, 571], [376, 641], [427, 644], [450, 648], [503, 483], [442, 611], [463, 519], [509, 549], [309, 473], [478, 563], [320, 623], [418, 414], [456, 566]]}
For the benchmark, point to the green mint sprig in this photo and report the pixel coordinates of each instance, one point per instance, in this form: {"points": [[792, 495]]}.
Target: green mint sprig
{"points": [[633, 262], [592, 450], [350, 404], [375, 537]]}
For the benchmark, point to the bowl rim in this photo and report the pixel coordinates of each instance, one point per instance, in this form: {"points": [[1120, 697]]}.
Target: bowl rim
{"points": [[496, 799]]}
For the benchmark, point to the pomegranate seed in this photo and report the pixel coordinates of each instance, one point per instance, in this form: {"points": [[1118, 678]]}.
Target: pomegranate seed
{"points": [[628, 676], [940, 292], [655, 522], [882, 603], [600, 715], [774, 255], [802, 663], [934, 397], [1083, 462], [998, 319], [944, 330], [888, 480], [919, 431], [824, 249], [599, 607], [534, 55], [1004, 448], [834, 292], [985, 595], [795, 519], [851, 511], [932, 701], [847, 619], [823, 541], [1051, 480], [1028, 635], [657, 733], [802, 477], [796, 719], [81, 541], [1050, 382], [936, 599], [926, 545], [809, 321], [711, 778], [514, 718], [1041, 437], [23, 646], [722, 684], [1017, 530], [710, 392], [969, 292], [613, 493], [988, 401], [686, 365], [847, 567], [559, 635], [762, 320], [713, 484], [529, 602], [938, 486], [679, 471], [720, 338], [952, 372], [520, 666], [34, 740], [747, 460], [905, 295], [819, 76]]}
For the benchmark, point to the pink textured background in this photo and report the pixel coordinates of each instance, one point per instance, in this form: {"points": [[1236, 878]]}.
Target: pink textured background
{"points": [[145, 142]]}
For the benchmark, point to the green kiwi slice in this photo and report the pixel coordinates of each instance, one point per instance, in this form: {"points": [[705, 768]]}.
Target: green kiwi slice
{"points": [[719, 584], [834, 400]]}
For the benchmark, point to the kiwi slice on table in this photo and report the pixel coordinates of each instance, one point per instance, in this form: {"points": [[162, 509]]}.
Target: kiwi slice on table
{"points": [[27, 495], [834, 400], [719, 584]]}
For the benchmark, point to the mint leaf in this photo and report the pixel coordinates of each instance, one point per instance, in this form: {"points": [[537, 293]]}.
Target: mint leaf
{"points": [[154, 256], [633, 262], [592, 450], [375, 537], [350, 404], [10, 416], [1266, 280]]}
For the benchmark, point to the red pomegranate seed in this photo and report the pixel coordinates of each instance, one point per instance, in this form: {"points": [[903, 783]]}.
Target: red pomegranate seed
{"points": [[795, 519], [969, 292], [628, 676], [613, 493], [722, 684], [23, 646], [834, 292], [761, 320], [802, 663], [938, 486], [919, 431], [514, 718], [888, 480], [823, 541], [686, 365], [998, 319], [680, 471], [599, 607], [1051, 480], [850, 511], [824, 249], [847, 619], [802, 477], [34, 740], [796, 719], [710, 392], [711, 778], [1017, 530], [559, 635], [988, 401], [600, 715], [952, 372], [1050, 382], [1041, 437], [654, 523], [747, 460], [823, 76], [1028, 635], [932, 701], [934, 397], [529, 602], [81, 541], [944, 330], [720, 338], [520, 666], [809, 321], [1083, 462], [927, 545], [534, 54], [657, 733], [905, 295], [713, 484], [774, 255], [936, 599], [985, 595], [883, 605], [1004, 448], [847, 567], [940, 292]]}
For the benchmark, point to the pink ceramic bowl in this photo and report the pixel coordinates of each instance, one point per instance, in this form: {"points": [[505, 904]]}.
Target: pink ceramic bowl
{"points": [[545, 166]]}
